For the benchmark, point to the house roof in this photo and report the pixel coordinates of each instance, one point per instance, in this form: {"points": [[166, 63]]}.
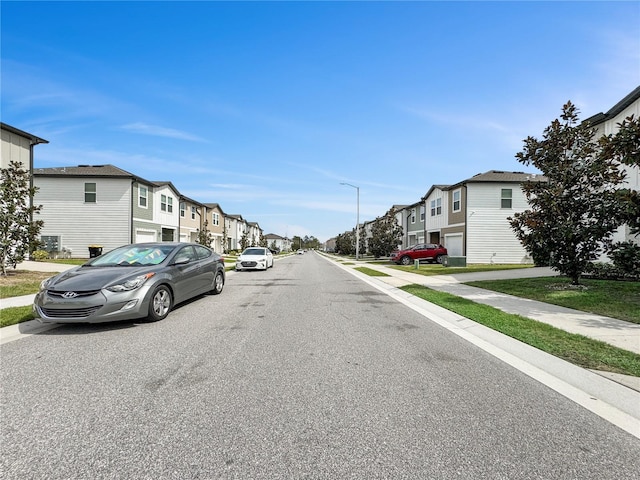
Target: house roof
{"points": [[273, 236], [614, 111], [213, 206], [105, 171], [499, 176], [433, 187], [34, 140]]}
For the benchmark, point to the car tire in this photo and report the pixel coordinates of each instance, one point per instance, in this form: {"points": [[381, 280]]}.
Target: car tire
{"points": [[218, 284], [160, 304], [439, 259], [406, 260]]}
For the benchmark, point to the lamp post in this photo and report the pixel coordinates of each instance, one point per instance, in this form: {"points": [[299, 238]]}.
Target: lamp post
{"points": [[357, 217]]}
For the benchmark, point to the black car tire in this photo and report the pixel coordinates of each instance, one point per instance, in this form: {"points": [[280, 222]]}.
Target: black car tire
{"points": [[439, 258], [161, 303], [218, 284], [406, 260]]}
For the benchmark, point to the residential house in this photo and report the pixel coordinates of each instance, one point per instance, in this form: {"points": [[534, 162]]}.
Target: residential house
{"points": [[281, 244], [166, 213], [477, 211], [215, 223], [236, 227], [413, 224], [17, 145], [103, 205], [255, 233], [607, 124], [436, 206], [191, 219]]}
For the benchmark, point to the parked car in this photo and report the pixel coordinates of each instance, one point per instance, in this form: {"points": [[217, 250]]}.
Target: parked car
{"points": [[143, 280], [429, 252], [300, 251], [255, 258]]}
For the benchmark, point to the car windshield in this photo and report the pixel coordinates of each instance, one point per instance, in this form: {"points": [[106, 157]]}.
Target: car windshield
{"points": [[253, 251], [133, 255]]}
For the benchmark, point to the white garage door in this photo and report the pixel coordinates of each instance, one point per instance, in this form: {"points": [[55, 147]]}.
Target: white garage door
{"points": [[142, 237], [453, 244]]}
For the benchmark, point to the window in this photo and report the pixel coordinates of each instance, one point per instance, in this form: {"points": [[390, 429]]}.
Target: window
{"points": [[168, 235], [457, 203], [413, 215], [216, 219], [142, 196], [506, 198], [183, 208], [166, 203], [436, 207], [90, 193], [193, 213], [422, 213]]}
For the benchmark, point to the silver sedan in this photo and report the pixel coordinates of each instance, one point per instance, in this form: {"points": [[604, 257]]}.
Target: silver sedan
{"points": [[143, 280]]}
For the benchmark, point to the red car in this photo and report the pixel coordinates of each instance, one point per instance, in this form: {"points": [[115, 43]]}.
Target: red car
{"points": [[429, 252]]}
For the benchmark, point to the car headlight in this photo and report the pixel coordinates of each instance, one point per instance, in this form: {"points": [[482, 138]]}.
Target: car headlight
{"points": [[45, 283], [131, 284]]}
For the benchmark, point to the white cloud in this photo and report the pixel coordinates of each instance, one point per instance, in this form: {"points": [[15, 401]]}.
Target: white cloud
{"points": [[157, 131]]}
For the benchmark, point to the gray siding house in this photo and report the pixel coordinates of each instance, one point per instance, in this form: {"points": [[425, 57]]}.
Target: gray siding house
{"points": [[103, 205]]}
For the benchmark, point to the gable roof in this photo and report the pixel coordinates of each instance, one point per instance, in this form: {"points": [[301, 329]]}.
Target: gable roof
{"points": [[499, 176], [213, 206], [105, 171], [614, 111], [434, 187], [32, 138]]}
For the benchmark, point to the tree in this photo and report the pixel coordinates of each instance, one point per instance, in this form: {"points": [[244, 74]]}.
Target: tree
{"points": [[205, 237], [244, 240], [574, 213], [346, 243], [18, 232], [386, 234]]}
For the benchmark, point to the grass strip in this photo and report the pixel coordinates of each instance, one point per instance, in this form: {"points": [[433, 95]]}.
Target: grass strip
{"points": [[616, 299], [371, 272], [13, 315], [577, 349]]}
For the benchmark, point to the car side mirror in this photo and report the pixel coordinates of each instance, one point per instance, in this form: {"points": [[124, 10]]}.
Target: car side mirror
{"points": [[181, 261]]}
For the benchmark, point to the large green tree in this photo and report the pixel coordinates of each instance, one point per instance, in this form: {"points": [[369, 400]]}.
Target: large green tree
{"points": [[346, 243], [574, 213], [18, 232], [386, 235]]}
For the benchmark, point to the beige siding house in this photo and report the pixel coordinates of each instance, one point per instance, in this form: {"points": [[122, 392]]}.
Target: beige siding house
{"points": [[216, 225]]}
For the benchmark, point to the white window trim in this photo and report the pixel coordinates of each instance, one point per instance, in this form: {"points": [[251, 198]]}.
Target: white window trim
{"points": [[503, 198], [145, 196], [95, 192], [453, 203], [183, 208]]}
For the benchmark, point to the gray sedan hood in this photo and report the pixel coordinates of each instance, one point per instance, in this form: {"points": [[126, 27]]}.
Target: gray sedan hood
{"points": [[94, 278]]}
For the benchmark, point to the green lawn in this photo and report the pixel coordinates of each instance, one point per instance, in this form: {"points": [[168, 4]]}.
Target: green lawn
{"points": [[616, 299], [437, 269], [577, 349]]}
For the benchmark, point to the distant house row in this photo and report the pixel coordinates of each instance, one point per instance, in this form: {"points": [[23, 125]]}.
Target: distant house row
{"points": [[470, 217], [107, 206]]}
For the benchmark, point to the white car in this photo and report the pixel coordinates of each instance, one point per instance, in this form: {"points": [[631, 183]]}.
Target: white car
{"points": [[254, 258]]}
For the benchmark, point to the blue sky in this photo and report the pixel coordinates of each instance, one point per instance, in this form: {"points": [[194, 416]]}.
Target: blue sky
{"points": [[266, 107]]}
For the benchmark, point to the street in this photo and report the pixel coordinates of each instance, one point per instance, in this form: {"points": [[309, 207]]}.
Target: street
{"points": [[302, 371]]}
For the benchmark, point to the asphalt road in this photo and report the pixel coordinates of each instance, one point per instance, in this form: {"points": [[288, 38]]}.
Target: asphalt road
{"points": [[303, 371]]}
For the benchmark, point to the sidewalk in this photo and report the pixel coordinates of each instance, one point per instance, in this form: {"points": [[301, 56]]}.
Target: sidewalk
{"points": [[615, 332]]}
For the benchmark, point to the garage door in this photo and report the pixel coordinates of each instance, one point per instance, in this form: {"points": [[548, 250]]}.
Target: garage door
{"points": [[143, 237], [453, 243]]}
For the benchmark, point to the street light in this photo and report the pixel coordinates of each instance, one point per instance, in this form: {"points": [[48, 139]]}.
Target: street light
{"points": [[357, 217]]}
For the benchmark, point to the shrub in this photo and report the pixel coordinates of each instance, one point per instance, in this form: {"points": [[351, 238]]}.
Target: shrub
{"points": [[40, 255]]}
